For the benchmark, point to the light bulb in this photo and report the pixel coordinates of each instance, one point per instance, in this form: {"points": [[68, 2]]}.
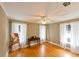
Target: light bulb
{"points": [[43, 22]]}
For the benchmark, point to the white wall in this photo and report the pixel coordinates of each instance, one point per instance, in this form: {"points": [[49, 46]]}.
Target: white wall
{"points": [[32, 29], [3, 33], [53, 33]]}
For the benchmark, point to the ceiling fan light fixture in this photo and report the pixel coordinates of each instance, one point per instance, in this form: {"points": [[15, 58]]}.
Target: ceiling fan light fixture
{"points": [[43, 19], [43, 22]]}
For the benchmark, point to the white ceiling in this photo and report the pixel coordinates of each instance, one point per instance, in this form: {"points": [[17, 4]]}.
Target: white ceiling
{"points": [[26, 11]]}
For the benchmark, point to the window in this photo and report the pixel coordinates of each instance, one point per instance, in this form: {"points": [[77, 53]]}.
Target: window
{"points": [[42, 32], [21, 29]]}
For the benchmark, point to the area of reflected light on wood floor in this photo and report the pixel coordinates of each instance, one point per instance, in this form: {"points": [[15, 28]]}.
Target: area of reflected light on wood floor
{"points": [[43, 50]]}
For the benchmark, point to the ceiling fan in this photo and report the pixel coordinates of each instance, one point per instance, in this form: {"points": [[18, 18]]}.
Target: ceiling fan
{"points": [[44, 19]]}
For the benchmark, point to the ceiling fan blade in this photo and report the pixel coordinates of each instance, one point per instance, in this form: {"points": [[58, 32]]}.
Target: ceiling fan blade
{"points": [[34, 15], [46, 10], [49, 19]]}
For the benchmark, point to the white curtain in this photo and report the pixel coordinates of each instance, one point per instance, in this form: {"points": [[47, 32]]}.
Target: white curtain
{"points": [[42, 32], [75, 36], [65, 35], [21, 29], [62, 32]]}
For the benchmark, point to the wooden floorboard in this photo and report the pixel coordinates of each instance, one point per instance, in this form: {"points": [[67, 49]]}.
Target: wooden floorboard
{"points": [[43, 50]]}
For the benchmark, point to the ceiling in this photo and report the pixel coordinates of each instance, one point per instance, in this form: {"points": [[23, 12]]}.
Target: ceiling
{"points": [[29, 11]]}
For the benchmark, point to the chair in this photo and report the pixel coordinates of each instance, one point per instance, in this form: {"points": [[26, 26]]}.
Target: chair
{"points": [[14, 43]]}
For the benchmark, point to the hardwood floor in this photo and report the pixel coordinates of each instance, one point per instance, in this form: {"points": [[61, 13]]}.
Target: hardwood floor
{"points": [[43, 50]]}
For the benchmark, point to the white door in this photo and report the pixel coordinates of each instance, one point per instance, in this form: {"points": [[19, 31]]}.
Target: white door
{"points": [[21, 29]]}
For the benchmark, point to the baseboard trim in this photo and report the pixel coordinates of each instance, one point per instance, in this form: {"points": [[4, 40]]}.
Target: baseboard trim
{"points": [[7, 53], [59, 45], [62, 47], [54, 44]]}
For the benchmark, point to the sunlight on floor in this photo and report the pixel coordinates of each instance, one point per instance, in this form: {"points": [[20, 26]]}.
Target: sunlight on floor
{"points": [[67, 55], [42, 50]]}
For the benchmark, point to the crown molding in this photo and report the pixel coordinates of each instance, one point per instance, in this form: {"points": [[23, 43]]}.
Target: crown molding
{"points": [[3, 8]]}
